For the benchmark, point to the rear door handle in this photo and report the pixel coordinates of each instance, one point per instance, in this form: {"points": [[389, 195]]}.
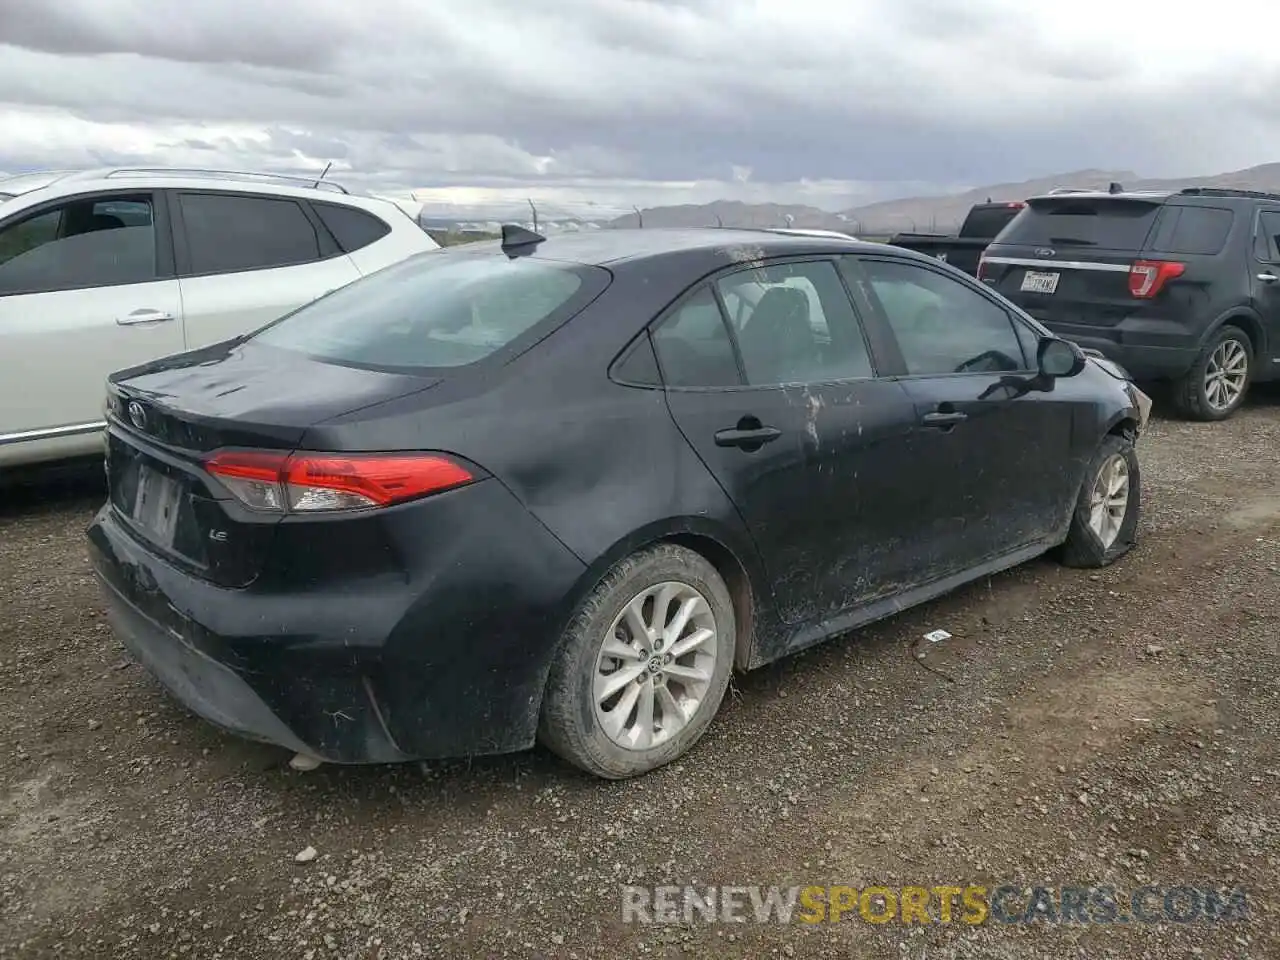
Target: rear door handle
{"points": [[144, 316], [1268, 277], [943, 420], [751, 437]]}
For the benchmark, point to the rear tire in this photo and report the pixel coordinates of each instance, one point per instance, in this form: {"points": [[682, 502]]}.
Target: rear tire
{"points": [[630, 689], [1101, 530], [1217, 382]]}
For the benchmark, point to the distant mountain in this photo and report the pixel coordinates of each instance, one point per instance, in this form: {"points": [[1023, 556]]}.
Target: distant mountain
{"points": [[927, 214]]}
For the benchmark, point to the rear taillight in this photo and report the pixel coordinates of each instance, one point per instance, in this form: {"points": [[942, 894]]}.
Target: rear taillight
{"points": [[318, 482], [982, 268], [1148, 277]]}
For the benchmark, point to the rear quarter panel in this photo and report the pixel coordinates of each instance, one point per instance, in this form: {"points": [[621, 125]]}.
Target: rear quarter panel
{"points": [[601, 465]]}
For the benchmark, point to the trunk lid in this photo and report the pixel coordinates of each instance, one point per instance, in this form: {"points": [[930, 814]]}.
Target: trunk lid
{"points": [[166, 417], [1066, 259]]}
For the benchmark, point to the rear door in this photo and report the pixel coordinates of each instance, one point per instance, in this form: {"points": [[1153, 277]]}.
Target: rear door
{"points": [[1265, 281], [247, 259], [998, 466], [1066, 259], [86, 288], [783, 406]]}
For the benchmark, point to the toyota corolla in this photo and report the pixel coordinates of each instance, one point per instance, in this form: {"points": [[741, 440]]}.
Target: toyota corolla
{"points": [[559, 489]]}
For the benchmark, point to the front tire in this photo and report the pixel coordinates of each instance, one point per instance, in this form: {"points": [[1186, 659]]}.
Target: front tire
{"points": [[1104, 526], [643, 667], [1215, 386]]}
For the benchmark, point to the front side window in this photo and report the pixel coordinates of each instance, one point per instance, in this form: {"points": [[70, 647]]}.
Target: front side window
{"points": [[942, 326], [795, 324], [80, 244], [434, 310], [228, 234]]}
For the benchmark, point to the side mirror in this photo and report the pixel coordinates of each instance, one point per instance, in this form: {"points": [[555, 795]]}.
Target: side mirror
{"points": [[1059, 358]]}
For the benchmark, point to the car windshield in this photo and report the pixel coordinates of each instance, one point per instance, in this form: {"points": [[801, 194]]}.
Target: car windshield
{"points": [[434, 310]]}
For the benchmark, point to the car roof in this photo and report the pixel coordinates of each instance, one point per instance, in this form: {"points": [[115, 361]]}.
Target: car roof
{"points": [[617, 245], [52, 184], [1067, 196]]}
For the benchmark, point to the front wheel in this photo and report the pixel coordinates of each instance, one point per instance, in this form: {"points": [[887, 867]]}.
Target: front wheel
{"points": [[1104, 526], [643, 667], [1215, 386]]}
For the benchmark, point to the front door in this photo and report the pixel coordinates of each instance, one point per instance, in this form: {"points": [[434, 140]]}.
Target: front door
{"points": [[782, 406], [86, 288], [1003, 464]]}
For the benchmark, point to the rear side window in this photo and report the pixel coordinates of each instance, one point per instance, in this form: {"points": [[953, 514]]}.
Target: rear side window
{"points": [[1109, 223], [1267, 243], [1192, 230], [227, 234], [435, 311], [352, 228], [693, 345]]}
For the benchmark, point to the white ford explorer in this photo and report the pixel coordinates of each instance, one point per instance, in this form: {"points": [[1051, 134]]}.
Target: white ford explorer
{"points": [[105, 269]]}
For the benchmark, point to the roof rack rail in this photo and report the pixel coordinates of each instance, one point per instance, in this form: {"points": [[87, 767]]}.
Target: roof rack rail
{"points": [[250, 176], [1227, 192]]}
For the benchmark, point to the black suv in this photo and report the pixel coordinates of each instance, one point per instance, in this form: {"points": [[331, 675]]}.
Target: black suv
{"points": [[1181, 287]]}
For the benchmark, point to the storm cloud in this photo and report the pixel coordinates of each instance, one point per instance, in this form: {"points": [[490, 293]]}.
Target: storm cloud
{"points": [[615, 102]]}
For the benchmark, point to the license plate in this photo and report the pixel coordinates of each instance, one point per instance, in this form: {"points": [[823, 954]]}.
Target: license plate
{"points": [[155, 508], [1034, 282]]}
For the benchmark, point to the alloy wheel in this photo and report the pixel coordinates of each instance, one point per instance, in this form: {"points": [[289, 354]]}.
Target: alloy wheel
{"points": [[655, 665], [1226, 374], [1109, 499]]}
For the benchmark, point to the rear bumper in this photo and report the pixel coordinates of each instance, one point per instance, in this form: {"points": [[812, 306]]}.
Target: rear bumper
{"points": [[448, 658]]}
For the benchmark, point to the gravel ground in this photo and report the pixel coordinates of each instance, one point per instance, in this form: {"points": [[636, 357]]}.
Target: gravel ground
{"points": [[1117, 727]]}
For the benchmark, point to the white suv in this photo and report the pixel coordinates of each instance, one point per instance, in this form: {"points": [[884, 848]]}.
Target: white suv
{"points": [[105, 269]]}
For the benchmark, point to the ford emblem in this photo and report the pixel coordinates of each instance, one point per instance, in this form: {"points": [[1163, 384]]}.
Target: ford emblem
{"points": [[137, 415], [1045, 251]]}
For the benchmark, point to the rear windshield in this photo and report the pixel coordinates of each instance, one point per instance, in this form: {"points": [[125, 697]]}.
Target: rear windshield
{"points": [[435, 310], [987, 221], [1117, 224]]}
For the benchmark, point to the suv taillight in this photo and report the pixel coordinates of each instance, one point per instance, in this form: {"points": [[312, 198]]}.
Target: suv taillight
{"points": [[323, 482], [982, 268], [1148, 277]]}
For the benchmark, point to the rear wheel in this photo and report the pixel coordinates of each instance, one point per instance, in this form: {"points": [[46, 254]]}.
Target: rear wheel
{"points": [[1104, 526], [643, 667], [1215, 386]]}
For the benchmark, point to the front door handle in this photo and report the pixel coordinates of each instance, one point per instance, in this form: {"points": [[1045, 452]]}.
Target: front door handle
{"points": [[943, 420], [747, 437], [144, 316], [1268, 277]]}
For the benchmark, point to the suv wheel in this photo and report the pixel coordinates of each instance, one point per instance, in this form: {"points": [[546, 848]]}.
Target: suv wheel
{"points": [[643, 667], [1215, 386]]}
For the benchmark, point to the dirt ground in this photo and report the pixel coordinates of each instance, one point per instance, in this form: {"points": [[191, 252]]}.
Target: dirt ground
{"points": [[1118, 727]]}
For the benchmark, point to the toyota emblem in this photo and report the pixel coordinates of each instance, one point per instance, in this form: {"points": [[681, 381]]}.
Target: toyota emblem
{"points": [[137, 414]]}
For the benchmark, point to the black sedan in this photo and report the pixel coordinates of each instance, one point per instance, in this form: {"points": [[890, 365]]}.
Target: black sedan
{"points": [[560, 488]]}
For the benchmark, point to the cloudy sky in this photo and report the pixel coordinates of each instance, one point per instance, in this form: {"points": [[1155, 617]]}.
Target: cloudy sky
{"points": [[619, 102]]}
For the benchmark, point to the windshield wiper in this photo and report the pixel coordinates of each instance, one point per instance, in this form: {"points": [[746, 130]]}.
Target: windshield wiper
{"points": [[1075, 241]]}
